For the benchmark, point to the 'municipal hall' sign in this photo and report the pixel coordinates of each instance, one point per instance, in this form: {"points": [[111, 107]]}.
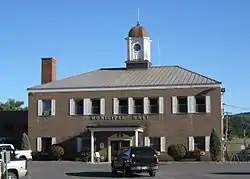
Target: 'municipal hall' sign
{"points": [[137, 117]]}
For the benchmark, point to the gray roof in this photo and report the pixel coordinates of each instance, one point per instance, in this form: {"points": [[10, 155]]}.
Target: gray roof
{"points": [[122, 77]]}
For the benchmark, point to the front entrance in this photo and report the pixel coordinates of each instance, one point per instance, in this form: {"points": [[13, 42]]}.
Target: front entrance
{"points": [[116, 145], [121, 136]]}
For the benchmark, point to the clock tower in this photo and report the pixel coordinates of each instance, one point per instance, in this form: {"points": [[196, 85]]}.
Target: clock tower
{"points": [[138, 48]]}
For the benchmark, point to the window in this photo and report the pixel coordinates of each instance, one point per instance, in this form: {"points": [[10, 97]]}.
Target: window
{"points": [[78, 106], [200, 104], [86, 144], [96, 106], [46, 107], [155, 143], [123, 106], [153, 106], [199, 143], [46, 144], [182, 104], [46, 104], [138, 106]]}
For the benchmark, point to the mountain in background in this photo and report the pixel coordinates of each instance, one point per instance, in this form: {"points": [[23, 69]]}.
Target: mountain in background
{"points": [[237, 123]]}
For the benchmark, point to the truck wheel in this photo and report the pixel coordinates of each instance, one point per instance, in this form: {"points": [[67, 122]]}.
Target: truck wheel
{"points": [[123, 171], [113, 169], [22, 158], [152, 173], [12, 175], [126, 171]]}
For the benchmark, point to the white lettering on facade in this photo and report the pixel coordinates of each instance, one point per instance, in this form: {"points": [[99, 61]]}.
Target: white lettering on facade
{"points": [[107, 118], [140, 117], [137, 117]]}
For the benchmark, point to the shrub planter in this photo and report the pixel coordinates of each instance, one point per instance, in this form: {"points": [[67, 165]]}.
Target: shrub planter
{"points": [[177, 152]]}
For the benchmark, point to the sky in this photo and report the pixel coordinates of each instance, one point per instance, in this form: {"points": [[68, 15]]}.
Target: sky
{"points": [[210, 37]]}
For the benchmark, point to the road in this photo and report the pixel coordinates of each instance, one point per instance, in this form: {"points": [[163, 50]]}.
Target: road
{"points": [[77, 170]]}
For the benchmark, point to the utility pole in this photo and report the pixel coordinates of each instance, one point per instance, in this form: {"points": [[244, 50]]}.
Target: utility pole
{"points": [[224, 146], [226, 131], [245, 142]]}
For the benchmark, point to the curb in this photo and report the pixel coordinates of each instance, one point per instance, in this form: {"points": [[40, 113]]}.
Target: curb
{"points": [[161, 163], [229, 162]]}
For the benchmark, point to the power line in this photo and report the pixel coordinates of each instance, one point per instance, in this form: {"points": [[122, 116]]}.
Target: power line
{"points": [[238, 107]]}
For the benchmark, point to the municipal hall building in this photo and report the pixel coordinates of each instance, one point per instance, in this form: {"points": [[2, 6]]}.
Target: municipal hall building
{"points": [[138, 104]]}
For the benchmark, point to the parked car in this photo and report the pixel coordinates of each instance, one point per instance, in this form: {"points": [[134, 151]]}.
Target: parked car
{"points": [[20, 154], [135, 160], [17, 168]]}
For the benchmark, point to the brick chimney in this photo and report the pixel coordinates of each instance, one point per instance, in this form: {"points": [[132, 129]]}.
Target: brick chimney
{"points": [[48, 70]]}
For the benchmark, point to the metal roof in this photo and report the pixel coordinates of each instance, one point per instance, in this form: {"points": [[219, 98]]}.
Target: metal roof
{"points": [[122, 77]]}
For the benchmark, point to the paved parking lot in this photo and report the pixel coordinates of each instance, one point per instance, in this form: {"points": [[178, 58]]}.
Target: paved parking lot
{"points": [[74, 170]]}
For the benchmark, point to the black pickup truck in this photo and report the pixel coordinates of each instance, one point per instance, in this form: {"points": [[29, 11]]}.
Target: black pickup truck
{"points": [[135, 160]]}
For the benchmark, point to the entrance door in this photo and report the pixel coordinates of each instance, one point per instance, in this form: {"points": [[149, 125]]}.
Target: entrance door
{"points": [[125, 143], [116, 145]]}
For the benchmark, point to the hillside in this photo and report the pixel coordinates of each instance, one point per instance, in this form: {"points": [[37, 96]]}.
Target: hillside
{"points": [[237, 123]]}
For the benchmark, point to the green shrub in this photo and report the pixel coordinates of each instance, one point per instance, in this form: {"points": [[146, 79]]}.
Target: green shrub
{"points": [[56, 152], [215, 146], [205, 157], [199, 154], [177, 152], [25, 143]]}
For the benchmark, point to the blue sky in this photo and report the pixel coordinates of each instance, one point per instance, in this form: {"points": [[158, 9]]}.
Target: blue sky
{"points": [[210, 37]]}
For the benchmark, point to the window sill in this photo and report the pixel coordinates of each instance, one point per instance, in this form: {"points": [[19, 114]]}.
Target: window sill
{"points": [[195, 113], [138, 114], [181, 113], [44, 116], [153, 114], [85, 115], [90, 115], [76, 115], [150, 114], [198, 113], [202, 113]]}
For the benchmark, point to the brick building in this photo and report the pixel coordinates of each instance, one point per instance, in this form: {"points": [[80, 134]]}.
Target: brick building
{"points": [[139, 104]]}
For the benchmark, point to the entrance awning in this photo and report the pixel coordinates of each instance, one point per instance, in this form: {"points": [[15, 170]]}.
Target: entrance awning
{"points": [[117, 127]]}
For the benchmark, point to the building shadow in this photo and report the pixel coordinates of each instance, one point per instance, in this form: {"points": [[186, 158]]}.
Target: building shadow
{"points": [[99, 175], [231, 173]]}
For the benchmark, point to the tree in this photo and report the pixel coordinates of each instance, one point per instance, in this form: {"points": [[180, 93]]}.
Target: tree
{"points": [[215, 146], [12, 105], [25, 145]]}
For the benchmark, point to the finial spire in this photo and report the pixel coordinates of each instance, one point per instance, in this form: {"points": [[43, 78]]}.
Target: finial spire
{"points": [[138, 16]]}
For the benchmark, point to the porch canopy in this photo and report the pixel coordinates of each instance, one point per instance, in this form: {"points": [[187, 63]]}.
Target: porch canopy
{"points": [[116, 127]]}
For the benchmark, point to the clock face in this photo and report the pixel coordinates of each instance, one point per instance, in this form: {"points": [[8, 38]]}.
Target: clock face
{"points": [[137, 47]]}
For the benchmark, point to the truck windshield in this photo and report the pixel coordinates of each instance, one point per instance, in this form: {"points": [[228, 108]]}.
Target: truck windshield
{"points": [[143, 151]]}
